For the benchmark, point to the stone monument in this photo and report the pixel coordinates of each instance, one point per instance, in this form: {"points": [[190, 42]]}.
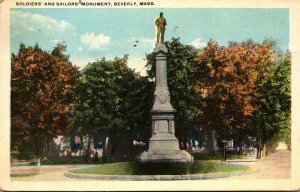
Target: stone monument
{"points": [[163, 145]]}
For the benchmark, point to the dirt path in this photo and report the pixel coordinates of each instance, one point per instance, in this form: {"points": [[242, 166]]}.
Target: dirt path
{"points": [[274, 166]]}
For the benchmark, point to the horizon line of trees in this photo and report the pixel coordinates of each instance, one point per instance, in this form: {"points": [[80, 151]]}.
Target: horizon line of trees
{"points": [[240, 90]]}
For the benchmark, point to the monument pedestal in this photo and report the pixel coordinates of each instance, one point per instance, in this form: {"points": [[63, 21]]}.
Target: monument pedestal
{"points": [[163, 145]]}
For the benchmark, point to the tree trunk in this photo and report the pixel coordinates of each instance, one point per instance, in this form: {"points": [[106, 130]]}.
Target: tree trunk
{"points": [[264, 151], [47, 146], [103, 149], [39, 148], [88, 149], [123, 146], [81, 142], [209, 142], [240, 146], [189, 141], [258, 151], [259, 141], [104, 145], [258, 155], [117, 143]]}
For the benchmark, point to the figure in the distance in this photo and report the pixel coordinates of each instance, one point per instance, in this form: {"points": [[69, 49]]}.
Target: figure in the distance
{"points": [[160, 23]]}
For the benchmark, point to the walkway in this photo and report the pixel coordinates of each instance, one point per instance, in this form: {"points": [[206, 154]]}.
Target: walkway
{"points": [[45, 173], [275, 166]]}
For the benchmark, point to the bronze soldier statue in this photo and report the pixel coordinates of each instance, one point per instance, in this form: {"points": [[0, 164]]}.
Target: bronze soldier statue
{"points": [[160, 23]]}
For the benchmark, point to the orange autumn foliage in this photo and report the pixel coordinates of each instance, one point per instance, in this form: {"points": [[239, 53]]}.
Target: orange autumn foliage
{"points": [[228, 75], [41, 95]]}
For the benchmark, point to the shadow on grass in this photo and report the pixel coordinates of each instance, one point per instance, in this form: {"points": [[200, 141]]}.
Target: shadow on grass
{"points": [[126, 168]]}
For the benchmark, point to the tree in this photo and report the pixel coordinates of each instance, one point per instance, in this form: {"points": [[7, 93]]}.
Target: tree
{"points": [[41, 96], [180, 82], [111, 100], [273, 104], [226, 79]]}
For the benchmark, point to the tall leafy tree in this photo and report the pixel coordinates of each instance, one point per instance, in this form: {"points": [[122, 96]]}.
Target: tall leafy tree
{"points": [[41, 96], [180, 82], [111, 99], [226, 79], [273, 104]]}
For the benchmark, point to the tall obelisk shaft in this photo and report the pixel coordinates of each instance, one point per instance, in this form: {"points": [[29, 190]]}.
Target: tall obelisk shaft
{"points": [[162, 95], [163, 145]]}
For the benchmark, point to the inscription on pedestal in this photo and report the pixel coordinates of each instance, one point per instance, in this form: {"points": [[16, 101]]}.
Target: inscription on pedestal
{"points": [[163, 126]]}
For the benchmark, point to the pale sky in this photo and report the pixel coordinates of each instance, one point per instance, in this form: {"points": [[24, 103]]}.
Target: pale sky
{"points": [[91, 34]]}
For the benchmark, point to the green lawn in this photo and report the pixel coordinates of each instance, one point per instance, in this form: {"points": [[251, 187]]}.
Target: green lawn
{"points": [[22, 174], [126, 168], [198, 156], [64, 162]]}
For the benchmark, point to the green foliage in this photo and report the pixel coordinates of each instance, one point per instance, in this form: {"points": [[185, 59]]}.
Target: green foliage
{"points": [[197, 167], [111, 99], [273, 111], [181, 85], [23, 150], [41, 96]]}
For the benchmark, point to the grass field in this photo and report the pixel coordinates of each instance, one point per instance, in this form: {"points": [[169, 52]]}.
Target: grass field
{"points": [[126, 168]]}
